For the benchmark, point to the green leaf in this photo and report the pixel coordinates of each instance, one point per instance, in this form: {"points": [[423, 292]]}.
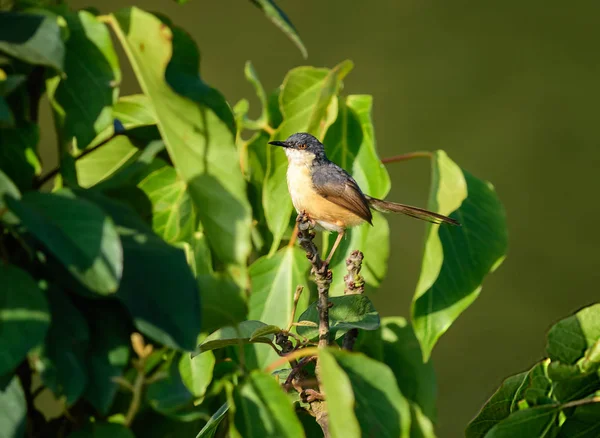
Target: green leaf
{"points": [[264, 331], [340, 408], [274, 281], [350, 143], [420, 425], [263, 410], [347, 312], [456, 259], [34, 39], [83, 98], [173, 213], [6, 117], [7, 187], [24, 316], [584, 423], [308, 103], [157, 287], [279, 19], [10, 83], [197, 126], [197, 373], [380, 407], [13, 410], [570, 338], [18, 157], [263, 119], [103, 430], [402, 353], [539, 422], [108, 354], [237, 335], [62, 362], [210, 428], [78, 233], [505, 400]]}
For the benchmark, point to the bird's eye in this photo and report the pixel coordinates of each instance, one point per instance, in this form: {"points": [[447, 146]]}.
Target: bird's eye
{"points": [[301, 146]]}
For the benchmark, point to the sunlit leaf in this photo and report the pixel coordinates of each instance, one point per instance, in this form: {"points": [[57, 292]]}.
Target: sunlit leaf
{"points": [[82, 98], [456, 259], [570, 338], [13, 410], [237, 335], [24, 316], [540, 421], [210, 428], [263, 410], [34, 39], [196, 125], [308, 104], [81, 236]]}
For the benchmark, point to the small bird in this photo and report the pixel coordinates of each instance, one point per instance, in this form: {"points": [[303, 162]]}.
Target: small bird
{"points": [[329, 195]]}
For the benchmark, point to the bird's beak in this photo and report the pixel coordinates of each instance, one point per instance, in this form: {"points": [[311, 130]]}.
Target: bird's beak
{"points": [[279, 143]]}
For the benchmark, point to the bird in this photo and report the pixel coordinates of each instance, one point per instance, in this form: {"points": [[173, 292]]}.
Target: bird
{"points": [[329, 196]]}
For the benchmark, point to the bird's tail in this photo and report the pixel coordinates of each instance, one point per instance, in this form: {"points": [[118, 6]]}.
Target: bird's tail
{"points": [[419, 213]]}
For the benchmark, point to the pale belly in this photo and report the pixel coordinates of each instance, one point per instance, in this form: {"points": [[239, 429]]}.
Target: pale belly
{"points": [[328, 215]]}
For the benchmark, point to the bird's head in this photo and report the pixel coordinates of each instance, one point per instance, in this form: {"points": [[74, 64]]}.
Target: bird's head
{"points": [[301, 147]]}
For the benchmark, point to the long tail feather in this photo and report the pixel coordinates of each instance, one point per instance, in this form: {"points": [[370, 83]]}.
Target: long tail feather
{"points": [[416, 212]]}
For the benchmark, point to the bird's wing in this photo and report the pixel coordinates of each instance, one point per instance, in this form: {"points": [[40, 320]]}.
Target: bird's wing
{"points": [[336, 185]]}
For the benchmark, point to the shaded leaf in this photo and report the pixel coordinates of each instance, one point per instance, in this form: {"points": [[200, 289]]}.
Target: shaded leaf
{"points": [[237, 335], [24, 316], [157, 287], [83, 98], [570, 338], [305, 99], [263, 410], [6, 117], [380, 407], [18, 157], [274, 281], [7, 187], [108, 354], [539, 422], [103, 430], [78, 233], [281, 20], [506, 399], [13, 410], [456, 259], [584, 423], [210, 428], [62, 361], [347, 312], [402, 353], [9, 83], [197, 126], [420, 425], [34, 39]]}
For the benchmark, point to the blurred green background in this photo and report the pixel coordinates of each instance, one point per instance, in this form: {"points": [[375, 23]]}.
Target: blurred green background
{"points": [[510, 89]]}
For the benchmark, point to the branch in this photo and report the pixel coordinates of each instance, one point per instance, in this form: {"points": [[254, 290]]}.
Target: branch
{"points": [[322, 274], [355, 285], [406, 157]]}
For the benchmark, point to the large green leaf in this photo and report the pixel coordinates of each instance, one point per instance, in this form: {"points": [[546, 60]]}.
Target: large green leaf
{"points": [[340, 406], [456, 259], [34, 39], [108, 354], [570, 338], [18, 156], [197, 126], [83, 98], [238, 335], [380, 407], [346, 312], [210, 428], [584, 423], [274, 281], [350, 143], [538, 422], [157, 287], [281, 20], [402, 353], [505, 400], [13, 410], [263, 410], [24, 316], [81, 236], [103, 430], [308, 104], [62, 361]]}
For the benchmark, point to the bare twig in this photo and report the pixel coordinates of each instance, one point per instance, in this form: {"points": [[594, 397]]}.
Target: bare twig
{"points": [[321, 273], [355, 285]]}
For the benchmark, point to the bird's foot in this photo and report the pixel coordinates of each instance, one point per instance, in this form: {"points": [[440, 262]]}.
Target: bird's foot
{"points": [[310, 395]]}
